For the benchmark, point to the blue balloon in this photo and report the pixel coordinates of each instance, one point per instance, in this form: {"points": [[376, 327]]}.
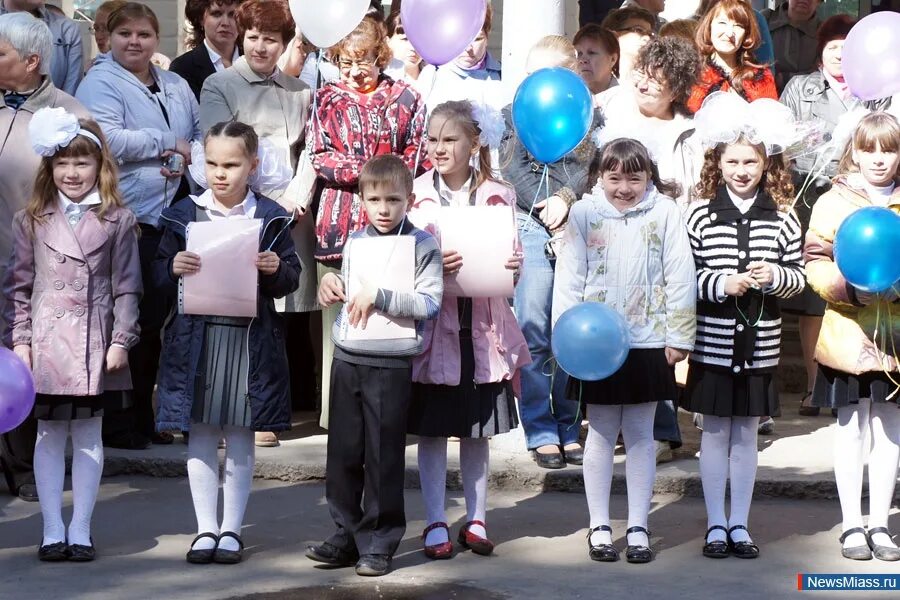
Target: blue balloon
{"points": [[552, 112], [590, 341], [867, 249]]}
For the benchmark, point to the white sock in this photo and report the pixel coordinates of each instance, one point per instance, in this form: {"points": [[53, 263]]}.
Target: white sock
{"points": [[239, 458], [849, 456], [474, 460], [714, 445], [87, 468], [433, 481], [603, 430], [744, 457], [203, 475], [640, 465], [50, 476], [884, 423]]}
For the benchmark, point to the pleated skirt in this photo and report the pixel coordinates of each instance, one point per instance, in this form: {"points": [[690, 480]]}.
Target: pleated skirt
{"points": [[63, 407], [713, 392], [836, 389], [645, 376], [221, 396]]}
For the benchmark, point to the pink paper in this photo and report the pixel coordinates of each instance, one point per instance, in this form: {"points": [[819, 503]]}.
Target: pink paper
{"points": [[227, 282], [387, 262], [485, 237]]}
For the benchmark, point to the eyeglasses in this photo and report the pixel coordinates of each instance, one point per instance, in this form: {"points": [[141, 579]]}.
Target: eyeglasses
{"points": [[638, 76], [638, 30], [363, 65]]}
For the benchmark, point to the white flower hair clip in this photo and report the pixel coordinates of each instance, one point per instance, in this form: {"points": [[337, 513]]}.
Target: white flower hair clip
{"points": [[272, 172], [725, 117], [491, 124], [53, 128], [638, 130]]}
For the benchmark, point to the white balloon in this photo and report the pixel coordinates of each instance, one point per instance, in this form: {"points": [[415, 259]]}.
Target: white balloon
{"points": [[326, 22]]}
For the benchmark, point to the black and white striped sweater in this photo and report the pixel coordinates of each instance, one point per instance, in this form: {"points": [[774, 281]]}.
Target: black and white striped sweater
{"points": [[742, 334]]}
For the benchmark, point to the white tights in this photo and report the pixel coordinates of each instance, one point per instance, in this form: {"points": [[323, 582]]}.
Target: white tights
{"points": [[636, 423], [882, 421], [203, 474], [474, 459], [50, 475], [728, 451]]}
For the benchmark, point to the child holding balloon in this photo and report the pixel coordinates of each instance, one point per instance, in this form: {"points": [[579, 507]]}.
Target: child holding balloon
{"points": [[72, 289], [626, 246], [857, 348], [463, 380], [747, 247]]}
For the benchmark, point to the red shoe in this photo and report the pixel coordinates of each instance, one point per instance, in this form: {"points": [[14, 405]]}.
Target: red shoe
{"points": [[440, 551], [475, 543]]}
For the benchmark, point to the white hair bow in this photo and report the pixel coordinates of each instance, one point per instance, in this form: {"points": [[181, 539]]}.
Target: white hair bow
{"points": [[491, 124], [724, 117], [53, 128], [272, 172]]}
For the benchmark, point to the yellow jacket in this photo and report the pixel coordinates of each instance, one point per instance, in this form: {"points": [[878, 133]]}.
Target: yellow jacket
{"points": [[847, 340]]}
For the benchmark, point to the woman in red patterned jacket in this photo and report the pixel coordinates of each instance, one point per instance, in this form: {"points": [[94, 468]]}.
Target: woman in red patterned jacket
{"points": [[727, 37], [363, 114]]}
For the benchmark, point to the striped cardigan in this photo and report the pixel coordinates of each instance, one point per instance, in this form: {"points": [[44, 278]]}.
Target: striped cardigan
{"points": [[742, 334]]}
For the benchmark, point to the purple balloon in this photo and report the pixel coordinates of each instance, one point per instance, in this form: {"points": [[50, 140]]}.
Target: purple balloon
{"points": [[440, 30], [871, 56], [16, 390]]}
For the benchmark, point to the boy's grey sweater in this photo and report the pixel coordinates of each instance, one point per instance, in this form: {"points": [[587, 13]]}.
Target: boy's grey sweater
{"points": [[422, 304]]}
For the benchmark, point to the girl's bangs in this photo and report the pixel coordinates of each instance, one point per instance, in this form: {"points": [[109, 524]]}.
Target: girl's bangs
{"points": [[882, 132], [79, 146]]}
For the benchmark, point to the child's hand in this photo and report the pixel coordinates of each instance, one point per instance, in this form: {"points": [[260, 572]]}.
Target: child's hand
{"points": [[554, 211], [267, 262], [185, 263], [331, 290], [762, 272], [116, 358], [514, 263], [361, 306], [24, 352], [452, 262], [739, 283], [675, 356]]}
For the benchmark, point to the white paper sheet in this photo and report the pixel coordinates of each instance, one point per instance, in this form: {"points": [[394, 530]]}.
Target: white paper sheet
{"points": [[485, 237]]}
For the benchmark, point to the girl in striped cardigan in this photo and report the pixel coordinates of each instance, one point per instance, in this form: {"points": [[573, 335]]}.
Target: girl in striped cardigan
{"points": [[747, 249]]}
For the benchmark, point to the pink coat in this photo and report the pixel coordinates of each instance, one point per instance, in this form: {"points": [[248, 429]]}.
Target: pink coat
{"points": [[72, 293], [499, 346]]}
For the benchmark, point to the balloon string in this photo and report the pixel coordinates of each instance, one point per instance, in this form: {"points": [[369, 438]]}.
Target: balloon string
{"points": [[554, 366], [814, 174], [544, 176], [886, 329], [424, 106]]}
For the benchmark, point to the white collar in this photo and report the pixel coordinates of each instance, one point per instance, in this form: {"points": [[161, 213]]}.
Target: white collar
{"points": [[879, 195], [92, 199], [216, 58], [741, 204], [246, 209], [459, 197]]}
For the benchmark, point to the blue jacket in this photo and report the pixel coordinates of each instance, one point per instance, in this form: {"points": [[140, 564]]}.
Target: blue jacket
{"points": [[138, 132], [269, 385]]}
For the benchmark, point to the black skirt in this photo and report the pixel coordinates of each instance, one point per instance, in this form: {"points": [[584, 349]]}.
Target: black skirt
{"points": [[836, 389], [467, 410], [721, 394], [807, 303], [58, 407], [644, 377]]}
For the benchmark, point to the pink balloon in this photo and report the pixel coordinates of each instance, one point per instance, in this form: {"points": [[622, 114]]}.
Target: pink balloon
{"points": [[16, 391], [871, 56], [440, 30]]}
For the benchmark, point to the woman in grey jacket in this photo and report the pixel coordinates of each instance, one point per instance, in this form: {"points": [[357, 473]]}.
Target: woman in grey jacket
{"points": [[149, 116]]}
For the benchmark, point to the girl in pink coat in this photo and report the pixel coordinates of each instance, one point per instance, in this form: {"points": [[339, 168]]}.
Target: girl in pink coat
{"points": [[72, 294], [463, 380]]}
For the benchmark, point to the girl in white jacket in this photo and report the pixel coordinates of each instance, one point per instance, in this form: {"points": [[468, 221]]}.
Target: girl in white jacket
{"points": [[626, 246]]}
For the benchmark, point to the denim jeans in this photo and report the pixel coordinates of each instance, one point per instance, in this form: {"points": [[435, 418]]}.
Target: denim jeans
{"points": [[665, 424], [548, 417]]}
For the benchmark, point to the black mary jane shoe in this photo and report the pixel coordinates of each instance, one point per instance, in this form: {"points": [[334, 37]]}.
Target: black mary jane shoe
{"points": [[229, 557], [638, 554], [82, 553], [203, 556], [742, 549], [718, 548], [329, 554], [57, 552], [602, 552], [549, 461], [855, 552], [573, 457], [888, 553]]}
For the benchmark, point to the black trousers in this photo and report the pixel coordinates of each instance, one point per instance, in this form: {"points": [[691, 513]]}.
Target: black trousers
{"points": [[17, 454], [366, 456], [302, 358], [143, 359]]}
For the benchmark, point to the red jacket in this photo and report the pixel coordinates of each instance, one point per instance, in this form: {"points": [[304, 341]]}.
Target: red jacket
{"points": [[713, 79]]}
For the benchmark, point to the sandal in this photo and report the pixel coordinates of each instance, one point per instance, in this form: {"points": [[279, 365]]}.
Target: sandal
{"points": [[806, 410], [602, 552]]}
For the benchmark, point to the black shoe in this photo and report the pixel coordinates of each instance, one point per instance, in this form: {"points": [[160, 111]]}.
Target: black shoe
{"points": [[54, 552], [373, 565], [27, 492], [574, 457], [229, 557], [638, 554], [602, 552], [128, 441], [204, 556], [82, 553], [887, 553], [808, 411], [330, 554], [855, 552], [718, 548], [742, 549], [549, 461], [162, 438]]}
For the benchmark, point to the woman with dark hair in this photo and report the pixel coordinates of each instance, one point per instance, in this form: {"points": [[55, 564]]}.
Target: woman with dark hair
{"points": [[213, 39], [597, 50], [406, 63], [633, 27]]}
